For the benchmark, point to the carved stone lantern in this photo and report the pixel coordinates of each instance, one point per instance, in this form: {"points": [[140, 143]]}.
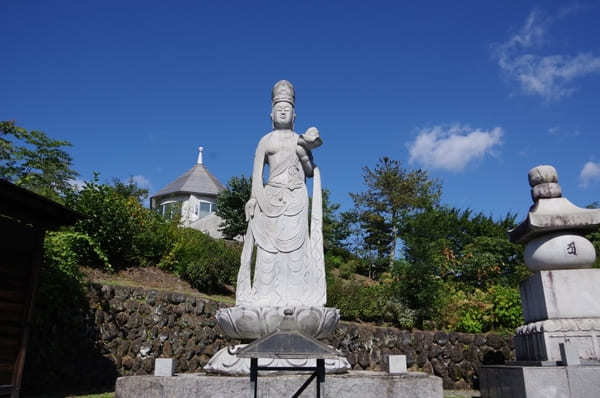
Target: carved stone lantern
{"points": [[558, 351], [561, 300]]}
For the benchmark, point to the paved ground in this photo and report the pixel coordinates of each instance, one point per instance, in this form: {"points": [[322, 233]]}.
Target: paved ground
{"points": [[447, 394]]}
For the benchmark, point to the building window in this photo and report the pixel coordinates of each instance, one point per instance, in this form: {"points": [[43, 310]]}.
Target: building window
{"points": [[203, 209], [170, 209]]}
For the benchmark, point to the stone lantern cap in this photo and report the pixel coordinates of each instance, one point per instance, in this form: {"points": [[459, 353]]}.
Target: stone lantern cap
{"points": [[551, 212], [288, 344]]}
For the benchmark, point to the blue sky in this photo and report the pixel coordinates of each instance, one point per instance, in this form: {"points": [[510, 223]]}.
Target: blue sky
{"points": [[476, 93]]}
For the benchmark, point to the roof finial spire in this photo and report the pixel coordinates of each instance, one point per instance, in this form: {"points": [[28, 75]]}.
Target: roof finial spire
{"points": [[200, 150]]}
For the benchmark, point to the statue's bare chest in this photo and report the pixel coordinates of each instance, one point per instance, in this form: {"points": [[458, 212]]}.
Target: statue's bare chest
{"points": [[281, 145]]}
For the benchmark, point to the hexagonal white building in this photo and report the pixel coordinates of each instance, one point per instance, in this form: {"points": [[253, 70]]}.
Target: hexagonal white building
{"points": [[195, 193]]}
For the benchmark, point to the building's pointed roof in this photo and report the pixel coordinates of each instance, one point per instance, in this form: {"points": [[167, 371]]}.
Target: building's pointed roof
{"points": [[196, 180]]}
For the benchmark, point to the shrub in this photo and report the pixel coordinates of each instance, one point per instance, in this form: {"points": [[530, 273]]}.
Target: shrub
{"points": [[69, 249], [374, 302], [333, 260], [128, 233], [475, 313], [112, 220], [497, 308], [206, 263], [61, 286], [507, 312], [418, 286], [156, 237], [399, 314], [347, 269]]}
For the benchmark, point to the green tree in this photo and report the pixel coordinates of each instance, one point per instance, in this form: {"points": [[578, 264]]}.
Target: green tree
{"points": [[130, 188], [230, 206], [336, 226], [593, 205], [451, 249], [392, 194], [467, 248], [379, 234], [35, 161]]}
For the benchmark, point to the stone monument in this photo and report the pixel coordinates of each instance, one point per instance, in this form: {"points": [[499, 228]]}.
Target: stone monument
{"points": [[558, 352], [286, 296], [289, 273]]}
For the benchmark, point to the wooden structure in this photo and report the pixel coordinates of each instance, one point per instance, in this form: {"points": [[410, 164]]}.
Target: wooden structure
{"points": [[24, 218]]}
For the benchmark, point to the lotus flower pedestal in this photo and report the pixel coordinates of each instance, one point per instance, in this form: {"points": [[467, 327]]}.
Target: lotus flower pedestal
{"points": [[250, 323]]}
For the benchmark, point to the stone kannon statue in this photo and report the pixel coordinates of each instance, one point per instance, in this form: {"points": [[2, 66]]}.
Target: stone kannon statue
{"points": [[289, 272], [289, 268]]}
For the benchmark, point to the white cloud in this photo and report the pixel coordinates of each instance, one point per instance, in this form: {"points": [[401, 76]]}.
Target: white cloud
{"points": [[590, 173], [556, 131], [549, 76], [141, 181], [452, 148]]}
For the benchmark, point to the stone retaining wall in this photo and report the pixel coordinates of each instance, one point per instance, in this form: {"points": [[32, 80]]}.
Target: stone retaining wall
{"points": [[125, 329]]}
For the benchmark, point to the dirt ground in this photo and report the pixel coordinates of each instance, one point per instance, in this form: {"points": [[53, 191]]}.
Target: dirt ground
{"points": [[151, 278]]}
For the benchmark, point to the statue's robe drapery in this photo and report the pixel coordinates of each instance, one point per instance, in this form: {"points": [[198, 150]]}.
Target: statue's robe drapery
{"points": [[289, 268]]}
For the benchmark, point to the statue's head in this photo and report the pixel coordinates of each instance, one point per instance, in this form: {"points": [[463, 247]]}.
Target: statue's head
{"points": [[283, 98]]}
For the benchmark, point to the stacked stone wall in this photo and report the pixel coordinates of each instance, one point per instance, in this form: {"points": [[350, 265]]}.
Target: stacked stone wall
{"points": [[125, 329]]}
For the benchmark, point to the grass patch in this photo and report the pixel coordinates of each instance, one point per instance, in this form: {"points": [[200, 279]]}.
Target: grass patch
{"points": [[214, 297]]}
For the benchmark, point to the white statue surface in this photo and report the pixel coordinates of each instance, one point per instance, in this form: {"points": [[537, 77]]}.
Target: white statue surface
{"points": [[289, 272], [290, 269]]}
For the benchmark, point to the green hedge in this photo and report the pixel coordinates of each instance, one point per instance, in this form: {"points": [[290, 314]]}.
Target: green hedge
{"points": [[208, 264]]}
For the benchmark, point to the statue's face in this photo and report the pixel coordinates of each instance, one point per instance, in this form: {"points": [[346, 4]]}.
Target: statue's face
{"points": [[282, 115]]}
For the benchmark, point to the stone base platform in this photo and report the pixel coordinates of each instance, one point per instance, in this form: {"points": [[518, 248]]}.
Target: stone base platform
{"points": [[539, 341], [362, 384], [505, 381], [225, 363], [561, 294]]}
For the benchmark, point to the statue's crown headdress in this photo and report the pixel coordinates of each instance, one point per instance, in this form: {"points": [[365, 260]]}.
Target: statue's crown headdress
{"points": [[283, 91]]}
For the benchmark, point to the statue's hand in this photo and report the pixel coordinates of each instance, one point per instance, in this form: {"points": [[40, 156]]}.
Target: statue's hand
{"points": [[311, 133], [311, 138], [249, 209]]}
